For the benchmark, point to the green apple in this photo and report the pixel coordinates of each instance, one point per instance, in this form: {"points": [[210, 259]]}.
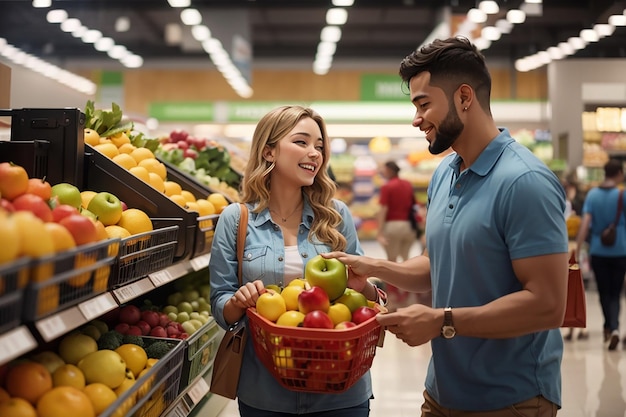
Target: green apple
{"points": [[353, 299], [66, 193], [170, 309], [328, 274], [185, 306], [107, 207]]}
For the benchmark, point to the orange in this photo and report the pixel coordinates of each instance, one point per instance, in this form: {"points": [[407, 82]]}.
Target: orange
{"points": [[61, 237], [28, 380], [188, 195], [68, 375], [13, 180], [151, 362], [154, 165], [135, 221], [39, 187], [206, 207], [120, 139], [141, 153], [102, 234], [156, 181], [141, 173], [172, 188], [85, 198], [134, 356], [17, 407], [108, 149], [127, 148], [218, 200], [114, 231], [34, 240], [124, 160], [100, 395], [92, 137], [178, 199], [65, 401], [82, 260], [10, 238], [125, 386], [48, 299]]}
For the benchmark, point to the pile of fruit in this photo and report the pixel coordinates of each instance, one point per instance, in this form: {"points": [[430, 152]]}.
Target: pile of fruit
{"points": [[82, 378], [109, 134]]}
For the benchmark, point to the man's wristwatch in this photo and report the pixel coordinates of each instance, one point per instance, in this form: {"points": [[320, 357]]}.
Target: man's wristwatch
{"points": [[447, 330]]}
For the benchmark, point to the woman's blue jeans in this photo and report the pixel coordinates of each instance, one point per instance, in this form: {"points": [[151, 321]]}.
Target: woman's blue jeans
{"points": [[361, 410]]}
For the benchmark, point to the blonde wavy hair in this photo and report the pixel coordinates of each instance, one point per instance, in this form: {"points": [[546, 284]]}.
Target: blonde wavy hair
{"points": [[255, 187]]}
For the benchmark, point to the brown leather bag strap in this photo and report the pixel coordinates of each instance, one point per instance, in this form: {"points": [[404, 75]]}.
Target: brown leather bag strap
{"points": [[241, 238]]}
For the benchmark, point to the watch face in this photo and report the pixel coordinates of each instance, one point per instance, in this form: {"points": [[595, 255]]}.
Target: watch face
{"points": [[448, 332]]}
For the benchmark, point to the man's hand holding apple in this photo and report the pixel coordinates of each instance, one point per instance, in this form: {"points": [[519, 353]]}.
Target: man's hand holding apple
{"points": [[358, 270]]}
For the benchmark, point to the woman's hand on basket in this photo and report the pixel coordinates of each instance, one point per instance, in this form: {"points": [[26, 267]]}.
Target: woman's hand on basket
{"points": [[357, 268], [414, 325], [247, 294]]}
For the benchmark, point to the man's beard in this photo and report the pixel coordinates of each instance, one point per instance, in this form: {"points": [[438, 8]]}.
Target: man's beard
{"points": [[447, 133]]}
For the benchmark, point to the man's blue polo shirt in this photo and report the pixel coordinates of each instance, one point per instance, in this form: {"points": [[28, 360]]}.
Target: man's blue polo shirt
{"points": [[507, 205]]}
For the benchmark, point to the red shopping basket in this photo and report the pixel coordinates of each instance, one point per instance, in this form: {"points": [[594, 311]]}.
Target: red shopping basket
{"points": [[315, 360]]}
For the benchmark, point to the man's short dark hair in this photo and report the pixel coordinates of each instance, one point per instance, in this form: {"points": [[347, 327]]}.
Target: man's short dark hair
{"points": [[613, 167]]}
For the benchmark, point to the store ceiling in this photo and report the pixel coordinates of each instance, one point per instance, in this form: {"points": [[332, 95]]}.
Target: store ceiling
{"points": [[289, 30]]}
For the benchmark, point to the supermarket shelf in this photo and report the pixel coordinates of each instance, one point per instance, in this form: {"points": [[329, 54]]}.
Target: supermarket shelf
{"points": [[16, 342]]}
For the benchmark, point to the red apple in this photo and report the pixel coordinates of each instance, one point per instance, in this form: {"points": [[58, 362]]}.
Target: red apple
{"points": [[158, 332], [172, 331], [61, 211], [317, 319], [150, 317], [39, 187], [163, 319], [182, 145], [183, 336], [145, 327], [82, 228], [134, 330], [345, 325], [130, 314], [315, 298], [362, 314], [190, 153], [7, 205], [121, 328], [35, 204]]}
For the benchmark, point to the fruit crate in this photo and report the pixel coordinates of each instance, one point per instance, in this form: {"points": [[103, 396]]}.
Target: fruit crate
{"points": [[144, 253], [201, 349], [151, 394], [65, 279], [102, 174], [315, 360], [13, 278]]}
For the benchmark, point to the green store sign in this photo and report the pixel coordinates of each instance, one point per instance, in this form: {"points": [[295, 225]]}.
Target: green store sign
{"points": [[385, 87]]}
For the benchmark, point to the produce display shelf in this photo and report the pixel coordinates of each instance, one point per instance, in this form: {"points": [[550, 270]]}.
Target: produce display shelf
{"points": [[13, 278], [201, 350]]}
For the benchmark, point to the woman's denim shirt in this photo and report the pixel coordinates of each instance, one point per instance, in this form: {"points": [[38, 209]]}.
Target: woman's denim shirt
{"points": [[264, 259]]}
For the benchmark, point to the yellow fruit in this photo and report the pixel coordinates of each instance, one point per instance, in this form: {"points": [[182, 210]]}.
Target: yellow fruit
{"points": [[339, 312], [82, 260], [92, 137], [65, 401], [49, 359], [134, 356], [10, 238], [192, 206], [120, 139], [127, 148], [28, 380], [100, 228], [68, 375], [188, 195], [178, 199], [108, 149], [218, 200], [156, 181], [141, 153], [172, 188], [75, 346], [124, 386], [206, 208], [48, 299], [100, 395], [61, 237], [290, 293], [105, 366], [115, 231], [135, 221], [154, 165], [124, 160], [151, 362], [85, 198], [17, 407], [141, 173], [105, 140], [34, 240]]}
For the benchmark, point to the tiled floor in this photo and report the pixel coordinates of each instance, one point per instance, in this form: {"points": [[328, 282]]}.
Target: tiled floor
{"points": [[594, 379]]}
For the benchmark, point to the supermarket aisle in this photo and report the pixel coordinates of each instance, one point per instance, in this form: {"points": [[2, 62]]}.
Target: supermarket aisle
{"points": [[594, 379]]}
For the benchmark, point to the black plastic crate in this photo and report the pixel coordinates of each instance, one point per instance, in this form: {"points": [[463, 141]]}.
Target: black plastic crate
{"points": [[65, 279], [13, 278]]}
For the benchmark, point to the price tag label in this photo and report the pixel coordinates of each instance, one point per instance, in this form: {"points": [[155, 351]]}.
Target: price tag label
{"points": [[16, 342], [161, 277], [180, 410], [97, 306], [197, 392], [60, 323], [134, 290], [200, 262]]}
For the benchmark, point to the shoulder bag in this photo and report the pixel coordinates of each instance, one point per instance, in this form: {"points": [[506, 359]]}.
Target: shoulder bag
{"points": [[227, 363], [608, 235], [576, 308]]}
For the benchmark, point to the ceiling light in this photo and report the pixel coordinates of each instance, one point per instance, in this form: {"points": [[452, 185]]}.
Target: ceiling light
{"points": [[343, 3], [56, 16], [132, 61], [122, 24], [515, 16], [489, 6], [544, 57], [179, 3], [604, 30], [566, 48], [482, 43], [555, 53], [617, 20], [118, 52], [173, 34], [336, 16], [91, 36], [70, 25], [191, 17], [330, 34], [504, 26], [42, 3], [326, 48], [79, 31], [476, 16], [200, 33], [589, 35], [104, 44], [491, 33], [577, 42], [533, 1]]}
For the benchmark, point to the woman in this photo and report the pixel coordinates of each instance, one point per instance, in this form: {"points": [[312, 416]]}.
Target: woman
{"points": [[293, 217]]}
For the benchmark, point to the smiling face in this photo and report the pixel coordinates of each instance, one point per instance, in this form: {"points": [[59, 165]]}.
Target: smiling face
{"points": [[436, 114], [299, 155]]}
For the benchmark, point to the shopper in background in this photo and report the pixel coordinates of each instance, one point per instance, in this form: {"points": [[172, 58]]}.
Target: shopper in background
{"points": [[496, 256], [395, 232], [293, 217], [607, 262]]}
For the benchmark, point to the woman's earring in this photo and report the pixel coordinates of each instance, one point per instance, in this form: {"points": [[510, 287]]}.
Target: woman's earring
{"points": [[464, 108]]}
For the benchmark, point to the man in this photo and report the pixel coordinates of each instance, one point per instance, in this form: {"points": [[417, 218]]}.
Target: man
{"points": [[496, 257]]}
